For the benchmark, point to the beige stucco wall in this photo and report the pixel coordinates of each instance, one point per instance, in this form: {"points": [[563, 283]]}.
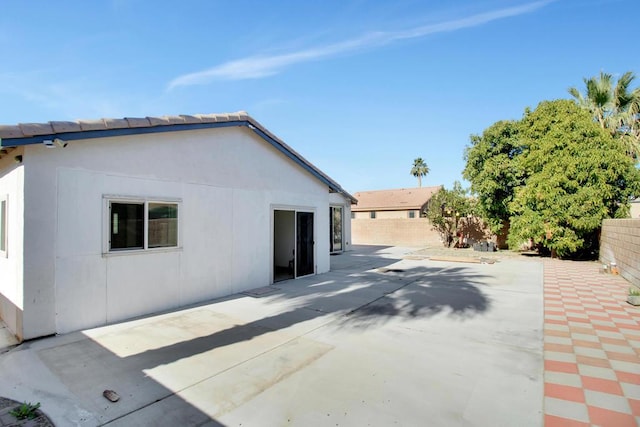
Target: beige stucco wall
{"points": [[400, 230], [620, 243], [394, 231], [635, 210], [228, 182]]}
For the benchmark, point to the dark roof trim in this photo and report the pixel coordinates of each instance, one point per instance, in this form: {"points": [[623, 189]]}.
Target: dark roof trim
{"points": [[249, 123], [105, 133]]}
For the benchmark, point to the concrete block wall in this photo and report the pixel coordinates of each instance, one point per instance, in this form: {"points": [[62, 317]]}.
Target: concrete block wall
{"points": [[394, 231], [620, 243]]}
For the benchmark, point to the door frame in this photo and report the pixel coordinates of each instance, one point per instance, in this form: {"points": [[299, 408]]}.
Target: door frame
{"points": [[295, 209]]}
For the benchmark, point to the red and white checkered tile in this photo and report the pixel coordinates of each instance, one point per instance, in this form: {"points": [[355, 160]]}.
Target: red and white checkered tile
{"points": [[591, 348]]}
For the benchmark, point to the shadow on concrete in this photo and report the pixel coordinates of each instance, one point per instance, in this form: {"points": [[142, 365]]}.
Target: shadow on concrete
{"points": [[454, 292], [418, 292], [366, 299], [365, 257], [363, 290]]}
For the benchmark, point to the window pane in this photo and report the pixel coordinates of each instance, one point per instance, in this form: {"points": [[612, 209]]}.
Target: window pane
{"points": [[127, 226], [3, 225], [163, 225]]}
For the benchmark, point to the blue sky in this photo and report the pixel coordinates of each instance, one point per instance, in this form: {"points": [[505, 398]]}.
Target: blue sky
{"points": [[360, 88]]}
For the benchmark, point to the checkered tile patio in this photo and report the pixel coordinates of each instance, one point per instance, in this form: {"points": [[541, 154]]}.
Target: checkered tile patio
{"points": [[591, 348]]}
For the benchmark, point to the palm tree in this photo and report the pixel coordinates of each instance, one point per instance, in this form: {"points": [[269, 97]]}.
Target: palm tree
{"points": [[615, 107], [419, 170]]}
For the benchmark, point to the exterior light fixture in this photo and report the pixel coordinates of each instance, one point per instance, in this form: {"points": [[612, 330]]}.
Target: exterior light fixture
{"points": [[53, 143]]}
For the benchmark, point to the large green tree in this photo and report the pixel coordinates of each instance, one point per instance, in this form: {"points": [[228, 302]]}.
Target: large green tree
{"points": [[576, 175], [615, 106], [419, 170], [492, 172]]}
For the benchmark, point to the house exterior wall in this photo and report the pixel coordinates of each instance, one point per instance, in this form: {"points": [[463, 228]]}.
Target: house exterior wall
{"points": [[227, 182], [620, 243], [635, 209], [11, 261], [394, 232]]}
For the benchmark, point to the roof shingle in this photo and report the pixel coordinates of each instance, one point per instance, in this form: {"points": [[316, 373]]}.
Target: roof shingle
{"points": [[25, 130], [34, 129]]}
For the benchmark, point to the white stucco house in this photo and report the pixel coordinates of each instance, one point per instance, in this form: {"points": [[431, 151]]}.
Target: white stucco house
{"points": [[104, 220]]}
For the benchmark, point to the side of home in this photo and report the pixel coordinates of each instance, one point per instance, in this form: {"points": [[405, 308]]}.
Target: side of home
{"points": [[130, 222]]}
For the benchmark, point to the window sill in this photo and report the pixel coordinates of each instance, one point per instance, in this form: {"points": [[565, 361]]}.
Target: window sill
{"points": [[126, 252]]}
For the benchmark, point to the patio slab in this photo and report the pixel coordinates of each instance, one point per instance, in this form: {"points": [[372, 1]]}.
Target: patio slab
{"points": [[417, 342]]}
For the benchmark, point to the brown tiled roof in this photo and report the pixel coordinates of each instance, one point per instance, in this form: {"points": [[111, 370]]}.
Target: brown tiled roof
{"points": [[391, 200], [34, 133]]}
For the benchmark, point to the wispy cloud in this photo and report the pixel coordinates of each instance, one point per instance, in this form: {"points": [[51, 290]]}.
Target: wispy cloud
{"points": [[258, 66], [60, 99]]}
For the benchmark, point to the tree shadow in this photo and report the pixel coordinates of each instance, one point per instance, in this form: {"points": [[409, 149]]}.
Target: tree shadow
{"points": [[370, 300], [456, 294], [365, 257]]}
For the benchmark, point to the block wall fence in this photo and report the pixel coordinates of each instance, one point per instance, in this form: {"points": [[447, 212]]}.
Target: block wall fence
{"points": [[620, 243], [394, 232], [410, 231]]}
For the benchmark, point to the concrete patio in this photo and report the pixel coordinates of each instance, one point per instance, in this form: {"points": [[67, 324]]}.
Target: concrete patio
{"points": [[380, 340]]}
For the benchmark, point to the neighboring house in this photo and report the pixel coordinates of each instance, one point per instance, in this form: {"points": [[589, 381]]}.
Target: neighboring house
{"points": [[401, 203], [393, 217], [104, 220]]}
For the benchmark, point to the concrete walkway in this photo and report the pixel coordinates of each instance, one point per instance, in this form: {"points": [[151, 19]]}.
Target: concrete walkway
{"points": [[380, 340], [592, 348]]}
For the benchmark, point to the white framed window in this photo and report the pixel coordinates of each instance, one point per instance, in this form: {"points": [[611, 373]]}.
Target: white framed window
{"points": [[372, 214], [4, 225], [412, 214], [138, 224]]}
